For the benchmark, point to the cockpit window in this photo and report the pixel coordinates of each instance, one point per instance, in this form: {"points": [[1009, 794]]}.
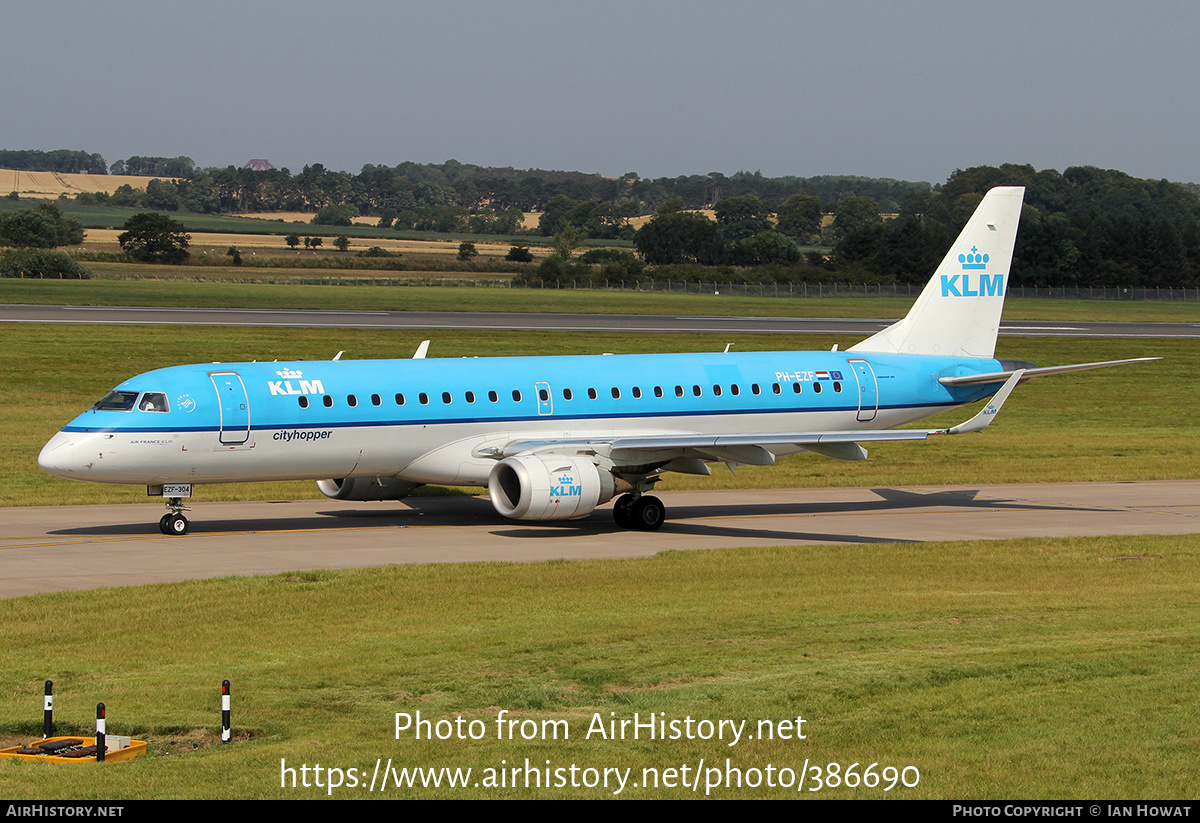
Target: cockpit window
{"points": [[153, 401], [117, 400]]}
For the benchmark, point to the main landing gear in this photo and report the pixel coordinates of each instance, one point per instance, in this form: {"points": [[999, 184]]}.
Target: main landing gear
{"points": [[644, 512], [173, 522]]}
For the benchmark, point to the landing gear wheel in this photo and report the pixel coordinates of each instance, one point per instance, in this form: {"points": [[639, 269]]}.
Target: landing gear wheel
{"points": [[174, 524], [623, 511], [648, 513]]}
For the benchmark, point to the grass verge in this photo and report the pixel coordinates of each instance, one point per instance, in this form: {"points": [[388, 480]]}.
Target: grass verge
{"points": [[181, 286], [1011, 669]]}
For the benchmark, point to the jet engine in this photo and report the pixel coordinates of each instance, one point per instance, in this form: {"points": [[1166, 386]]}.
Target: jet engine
{"points": [[366, 488], [550, 487]]}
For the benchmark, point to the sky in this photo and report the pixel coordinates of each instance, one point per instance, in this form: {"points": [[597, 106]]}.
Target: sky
{"points": [[907, 90]]}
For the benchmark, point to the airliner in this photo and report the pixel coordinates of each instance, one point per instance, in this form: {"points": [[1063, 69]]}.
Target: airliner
{"points": [[554, 437]]}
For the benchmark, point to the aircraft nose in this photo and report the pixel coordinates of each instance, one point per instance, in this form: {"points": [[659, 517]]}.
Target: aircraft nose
{"points": [[55, 456]]}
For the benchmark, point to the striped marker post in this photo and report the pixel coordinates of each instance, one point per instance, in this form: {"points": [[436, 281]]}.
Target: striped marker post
{"points": [[100, 733], [48, 711], [225, 736]]}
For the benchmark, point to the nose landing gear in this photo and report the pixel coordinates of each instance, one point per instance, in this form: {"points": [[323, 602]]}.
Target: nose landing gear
{"points": [[173, 522]]}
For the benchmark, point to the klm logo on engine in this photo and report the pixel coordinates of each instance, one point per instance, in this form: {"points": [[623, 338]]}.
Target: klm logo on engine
{"points": [[285, 386], [565, 489], [973, 285]]}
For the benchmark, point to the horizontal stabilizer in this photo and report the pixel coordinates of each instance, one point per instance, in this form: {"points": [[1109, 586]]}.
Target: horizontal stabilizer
{"points": [[997, 376]]}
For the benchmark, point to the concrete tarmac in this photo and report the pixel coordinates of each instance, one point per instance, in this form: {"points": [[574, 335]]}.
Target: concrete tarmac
{"points": [[61, 548]]}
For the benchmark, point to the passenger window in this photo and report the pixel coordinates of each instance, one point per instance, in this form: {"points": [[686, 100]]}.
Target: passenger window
{"points": [[328, 401], [470, 397], [717, 390], [424, 398], [776, 388], [735, 389], [376, 400], [493, 397], [399, 400], [153, 401], [516, 396], [637, 393], [303, 401], [351, 400], [658, 392], [543, 395], [567, 394], [591, 394], [797, 388], [817, 388], [446, 397], [754, 388], [679, 391], [696, 390], [837, 386], [616, 393]]}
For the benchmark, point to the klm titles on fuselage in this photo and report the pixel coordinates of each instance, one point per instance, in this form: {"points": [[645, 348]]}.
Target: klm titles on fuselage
{"points": [[285, 386]]}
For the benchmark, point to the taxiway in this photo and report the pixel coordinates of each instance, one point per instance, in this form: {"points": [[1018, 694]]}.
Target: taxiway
{"points": [[61, 548]]}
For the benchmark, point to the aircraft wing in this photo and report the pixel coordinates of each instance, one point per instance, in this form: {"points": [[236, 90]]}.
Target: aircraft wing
{"points": [[752, 449]]}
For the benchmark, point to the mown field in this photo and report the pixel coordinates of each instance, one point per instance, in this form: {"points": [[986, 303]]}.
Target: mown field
{"points": [[995, 670], [218, 286]]}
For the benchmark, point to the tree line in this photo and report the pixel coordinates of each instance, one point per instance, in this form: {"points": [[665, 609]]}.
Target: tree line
{"points": [[63, 161], [460, 196], [1081, 226]]}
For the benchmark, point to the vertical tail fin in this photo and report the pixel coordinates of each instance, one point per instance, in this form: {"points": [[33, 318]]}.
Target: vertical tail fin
{"points": [[958, 312]]}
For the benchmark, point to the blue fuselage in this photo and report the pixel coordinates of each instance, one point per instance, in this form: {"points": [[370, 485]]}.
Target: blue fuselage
{"points": [[434, 420]]}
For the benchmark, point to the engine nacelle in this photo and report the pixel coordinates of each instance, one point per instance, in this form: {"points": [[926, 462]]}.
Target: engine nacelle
{"points": [[550, 487], [366, 488]]}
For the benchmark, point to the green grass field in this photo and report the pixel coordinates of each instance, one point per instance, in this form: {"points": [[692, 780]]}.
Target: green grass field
{"points": [[179, 287], [1008, 669], [114, 217]]}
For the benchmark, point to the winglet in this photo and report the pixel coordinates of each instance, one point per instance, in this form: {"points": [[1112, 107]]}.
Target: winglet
{"points": [[986, 415]]}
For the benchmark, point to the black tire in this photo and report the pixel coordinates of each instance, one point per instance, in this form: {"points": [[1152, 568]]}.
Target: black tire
{"points": [[649, 513], [623, 512], [177, 525], [162, 523]]}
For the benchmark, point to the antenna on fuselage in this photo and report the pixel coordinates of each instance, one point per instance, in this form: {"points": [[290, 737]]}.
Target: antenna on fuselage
{"points": [[422, 349], [338, 356], [728, 346]]}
